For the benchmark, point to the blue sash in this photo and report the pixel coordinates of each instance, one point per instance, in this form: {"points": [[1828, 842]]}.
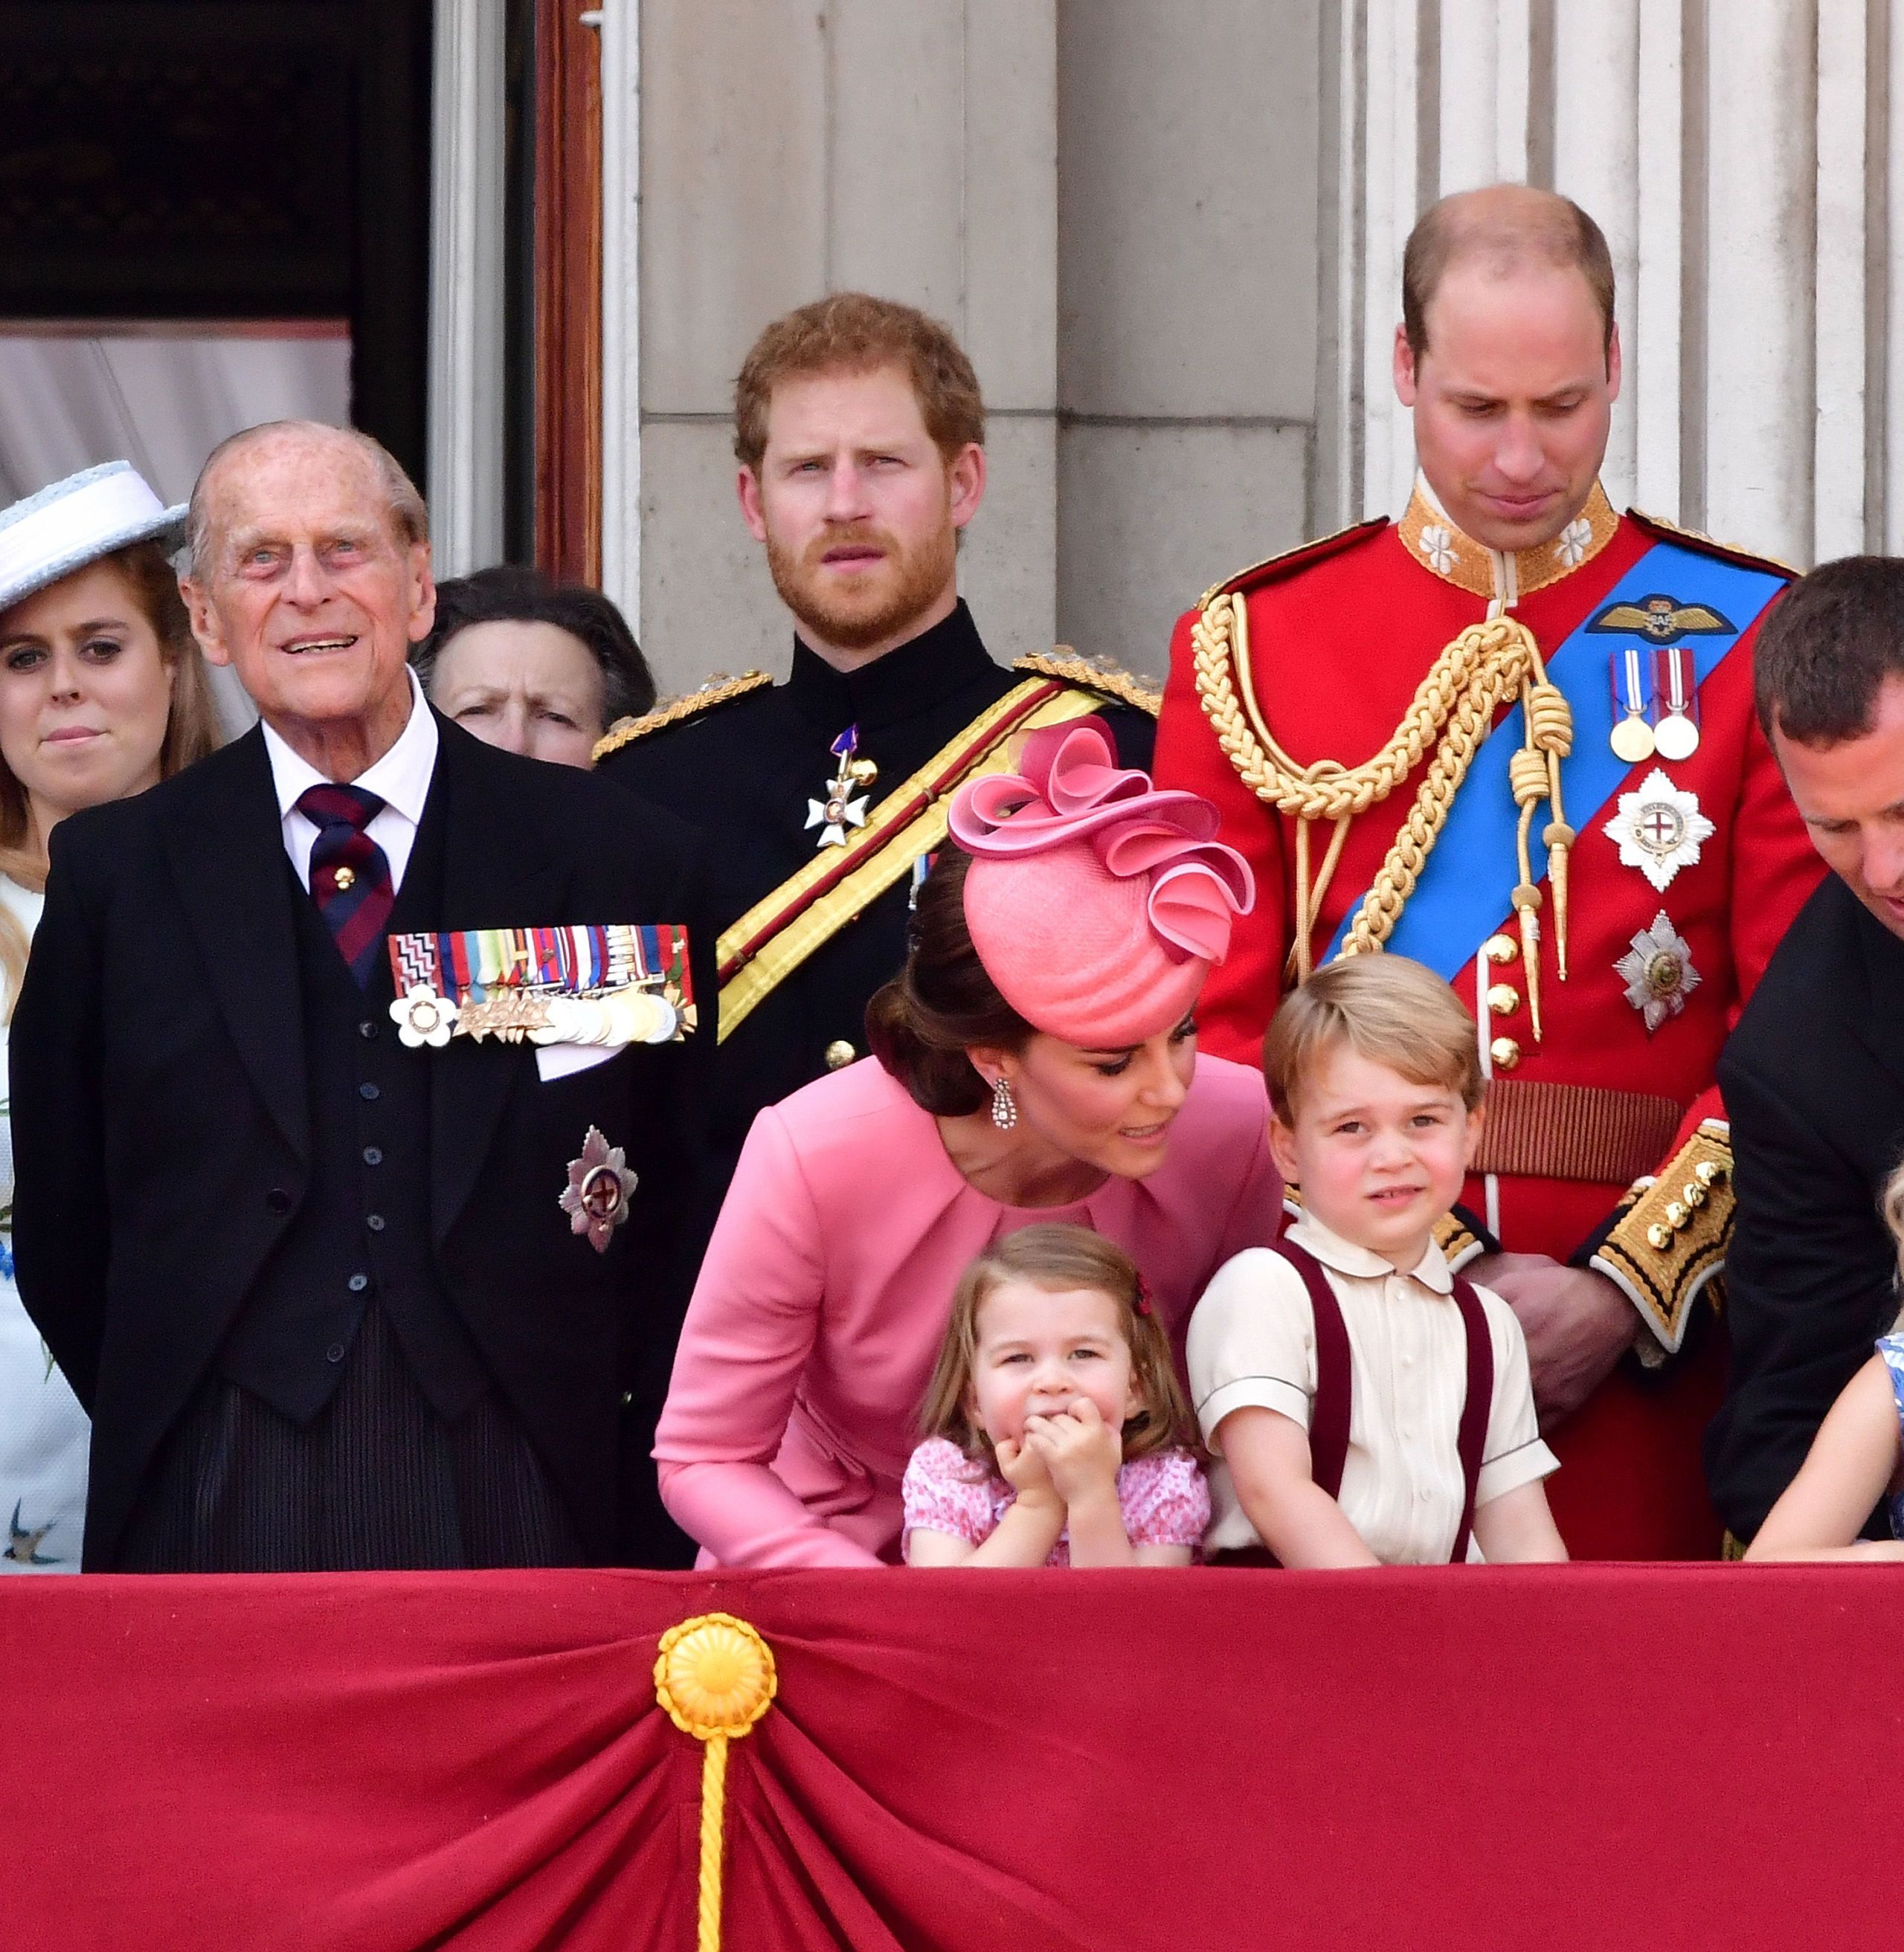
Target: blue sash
{"points": [[1461, 897]]}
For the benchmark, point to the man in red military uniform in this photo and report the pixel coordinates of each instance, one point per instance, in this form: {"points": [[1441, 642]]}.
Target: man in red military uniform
{"points": [[1512, 735]]}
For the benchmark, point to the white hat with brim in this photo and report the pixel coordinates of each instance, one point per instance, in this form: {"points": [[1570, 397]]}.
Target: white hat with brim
{"points": [[76, 521]]}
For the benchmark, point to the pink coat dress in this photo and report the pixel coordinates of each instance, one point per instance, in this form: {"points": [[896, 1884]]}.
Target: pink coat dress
{"points": [[823, 1299]]}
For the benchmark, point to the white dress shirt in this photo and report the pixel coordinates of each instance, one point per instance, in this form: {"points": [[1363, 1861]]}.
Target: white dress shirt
{"points": [[1252, 1341], [400, 779]]}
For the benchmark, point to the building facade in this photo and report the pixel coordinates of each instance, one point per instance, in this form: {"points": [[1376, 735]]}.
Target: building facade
{"points": [[1169, 232]]}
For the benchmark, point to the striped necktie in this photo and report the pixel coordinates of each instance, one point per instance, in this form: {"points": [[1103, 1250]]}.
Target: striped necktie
{"points": [[350, 879]]}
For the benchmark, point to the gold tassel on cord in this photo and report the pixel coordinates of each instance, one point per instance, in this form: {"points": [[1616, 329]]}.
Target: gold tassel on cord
{"points": [[715, 1675], [1451, 714]]}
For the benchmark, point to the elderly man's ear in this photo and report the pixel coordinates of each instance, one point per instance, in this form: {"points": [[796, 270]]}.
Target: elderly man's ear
{"points": [[423, 603], [205, 621]]}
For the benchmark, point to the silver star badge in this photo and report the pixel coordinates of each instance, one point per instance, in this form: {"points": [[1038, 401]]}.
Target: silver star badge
{"points": [[1658, 829], [596, 1196], [1658, 973], [836, 813]]}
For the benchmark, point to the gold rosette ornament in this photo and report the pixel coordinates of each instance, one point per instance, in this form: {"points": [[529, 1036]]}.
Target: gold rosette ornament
{"points": [[715, 1676]]}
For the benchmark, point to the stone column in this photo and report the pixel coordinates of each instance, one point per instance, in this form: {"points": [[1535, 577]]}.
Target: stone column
{"points": [[1187, 270], [1738, 154], [466, 288], [789, 147]]}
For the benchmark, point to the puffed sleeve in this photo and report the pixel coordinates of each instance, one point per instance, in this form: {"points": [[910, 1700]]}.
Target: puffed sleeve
{"points": [[1513, 1454], [1164, 1500], [749, 1333], [1252, 1341], [944, 1491]]}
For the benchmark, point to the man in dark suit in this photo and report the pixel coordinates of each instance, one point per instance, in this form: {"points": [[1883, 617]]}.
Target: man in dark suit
{"points": [[305, 1260], [1813, 1077], [860, 433]]}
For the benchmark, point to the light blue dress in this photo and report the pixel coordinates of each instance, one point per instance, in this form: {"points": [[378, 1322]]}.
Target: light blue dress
{"points": [[1891, 1347], [44, 1434]]}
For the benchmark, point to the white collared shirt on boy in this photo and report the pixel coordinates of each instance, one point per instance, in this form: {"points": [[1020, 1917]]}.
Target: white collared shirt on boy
{"points": [[1252, 1341]]}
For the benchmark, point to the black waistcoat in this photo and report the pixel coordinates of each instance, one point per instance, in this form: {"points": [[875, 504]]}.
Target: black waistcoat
{"points": [[360, 1235]]}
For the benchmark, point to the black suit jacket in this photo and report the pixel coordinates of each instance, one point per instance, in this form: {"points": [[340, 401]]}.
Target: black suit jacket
{"points": [[1813, 1079], [746, 774], [161, 1123]]}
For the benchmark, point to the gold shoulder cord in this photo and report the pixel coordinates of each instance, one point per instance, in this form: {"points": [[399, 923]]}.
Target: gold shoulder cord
{"points": [[1089, 674], [1453, 710], [718, 690]]}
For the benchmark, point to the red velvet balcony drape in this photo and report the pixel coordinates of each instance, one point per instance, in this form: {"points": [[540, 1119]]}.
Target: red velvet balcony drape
{"points": [[962, 1762]]}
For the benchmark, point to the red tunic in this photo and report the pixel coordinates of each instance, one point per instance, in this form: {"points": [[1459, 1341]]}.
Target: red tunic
{"points": [[1340, 634]]}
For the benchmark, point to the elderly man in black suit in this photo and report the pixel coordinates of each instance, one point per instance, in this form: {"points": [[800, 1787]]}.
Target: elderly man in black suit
{"points": [[1813, 1075], [305, 1256]]}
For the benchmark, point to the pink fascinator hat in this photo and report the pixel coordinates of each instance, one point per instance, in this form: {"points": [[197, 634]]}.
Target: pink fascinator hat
{"points": [[1097, 901]]}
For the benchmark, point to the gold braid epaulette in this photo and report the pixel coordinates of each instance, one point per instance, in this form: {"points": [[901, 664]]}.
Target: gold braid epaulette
{"points": [[719, 689], [1452, 711], [1701, 544], [1088, 674], [1668, 1244]]}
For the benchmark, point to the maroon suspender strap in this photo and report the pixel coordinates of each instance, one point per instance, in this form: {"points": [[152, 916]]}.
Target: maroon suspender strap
{"points": [[1474, 1410], [1328, 1414]]}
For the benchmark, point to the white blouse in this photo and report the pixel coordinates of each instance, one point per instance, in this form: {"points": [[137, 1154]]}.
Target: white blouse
{"points": [[44, 1434], [1252, 1341]]}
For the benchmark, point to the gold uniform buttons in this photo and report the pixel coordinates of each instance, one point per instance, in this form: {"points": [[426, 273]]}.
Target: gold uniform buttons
{"points": [[839, 1054], [1500, 949], [1505, 1053], [1503, 1000]]}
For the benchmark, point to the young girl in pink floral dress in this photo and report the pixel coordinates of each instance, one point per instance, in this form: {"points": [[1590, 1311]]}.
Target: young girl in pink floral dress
{"points": [[1058, 1432]]}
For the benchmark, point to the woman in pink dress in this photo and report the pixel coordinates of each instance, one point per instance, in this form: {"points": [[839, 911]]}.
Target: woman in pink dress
{"points": [[1035, 1060]]}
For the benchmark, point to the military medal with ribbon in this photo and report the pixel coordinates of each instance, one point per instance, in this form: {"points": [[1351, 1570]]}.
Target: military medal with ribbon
{"points": [[841, 808], [1676, 684], [1632, 736], [607, 984], [1655, 688]]}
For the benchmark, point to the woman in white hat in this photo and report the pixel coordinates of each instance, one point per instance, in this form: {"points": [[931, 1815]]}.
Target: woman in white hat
{"points": [[102, 693]]}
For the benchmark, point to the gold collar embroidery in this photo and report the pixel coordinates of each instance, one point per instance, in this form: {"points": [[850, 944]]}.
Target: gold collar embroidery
{"points": [[1501, 578]]}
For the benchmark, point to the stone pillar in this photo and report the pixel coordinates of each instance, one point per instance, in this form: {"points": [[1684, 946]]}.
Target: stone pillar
{"points": [[1112, 202], [789, 147], [620, 27], [1187, 197], [1738, 154], [466, 288]]}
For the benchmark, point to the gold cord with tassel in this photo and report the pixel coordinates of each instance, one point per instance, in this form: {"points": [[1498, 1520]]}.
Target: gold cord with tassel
{"points": [[1452, 712], [715, 1676]]}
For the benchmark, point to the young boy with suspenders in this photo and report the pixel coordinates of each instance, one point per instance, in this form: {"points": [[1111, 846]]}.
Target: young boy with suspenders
{"points": [[1365, 1406]]}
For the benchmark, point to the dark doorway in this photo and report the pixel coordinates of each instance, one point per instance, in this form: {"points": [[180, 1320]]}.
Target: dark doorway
{"points": [[227, 159]]}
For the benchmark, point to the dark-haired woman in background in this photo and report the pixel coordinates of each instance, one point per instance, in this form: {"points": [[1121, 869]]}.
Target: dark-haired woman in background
{"points": [[102, 694], [1036, 1060], [537, 667]]}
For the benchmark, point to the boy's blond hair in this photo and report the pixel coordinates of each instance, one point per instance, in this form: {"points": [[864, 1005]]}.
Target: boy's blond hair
{"points": [[1386, 1008]]}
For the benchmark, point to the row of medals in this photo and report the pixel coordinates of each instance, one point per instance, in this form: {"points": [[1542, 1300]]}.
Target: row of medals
{"points": [[1638, 733]]}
